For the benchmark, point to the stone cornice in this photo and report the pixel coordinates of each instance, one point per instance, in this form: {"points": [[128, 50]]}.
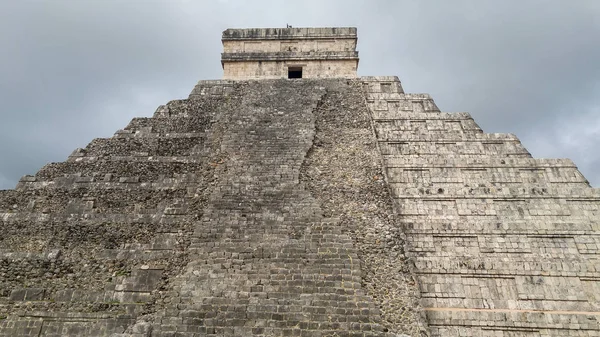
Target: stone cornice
{"points": [[289, 33], [289, 56]]}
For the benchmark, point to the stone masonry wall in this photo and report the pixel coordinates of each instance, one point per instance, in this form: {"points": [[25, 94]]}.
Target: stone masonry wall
{"points": [[273, 46], [196, 222], [245, 70], [268, 53], [502, 244], [89, 243], [301, 208]]}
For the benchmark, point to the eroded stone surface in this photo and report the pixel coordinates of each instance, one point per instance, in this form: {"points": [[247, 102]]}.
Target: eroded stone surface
{"points": [[197, 222], [301, 208], [87, 244], [343, 171]]}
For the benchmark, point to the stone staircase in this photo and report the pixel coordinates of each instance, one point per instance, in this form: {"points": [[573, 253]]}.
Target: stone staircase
{"points": [[301, 208], [263, 258], [202, 221]]}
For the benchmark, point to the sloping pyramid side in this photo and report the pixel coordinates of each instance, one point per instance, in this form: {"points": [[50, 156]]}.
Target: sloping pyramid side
{"points": [[503, 244]]}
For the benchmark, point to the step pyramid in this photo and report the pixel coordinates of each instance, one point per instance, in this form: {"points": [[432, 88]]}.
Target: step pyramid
{"points": [[321, 206]]}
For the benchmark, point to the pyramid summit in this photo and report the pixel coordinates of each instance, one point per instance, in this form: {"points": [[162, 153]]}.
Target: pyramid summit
{"points": [[294, 198]]}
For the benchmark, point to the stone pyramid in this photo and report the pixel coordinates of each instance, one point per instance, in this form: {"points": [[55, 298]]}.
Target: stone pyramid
{"points": [[323, 205]]}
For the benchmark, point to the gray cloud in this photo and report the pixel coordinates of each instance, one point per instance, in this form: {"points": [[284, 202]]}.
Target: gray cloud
{"points": [[74, 70]]}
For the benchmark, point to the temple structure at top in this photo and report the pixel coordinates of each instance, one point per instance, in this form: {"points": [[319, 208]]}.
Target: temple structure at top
{"points": [[269, 53]]}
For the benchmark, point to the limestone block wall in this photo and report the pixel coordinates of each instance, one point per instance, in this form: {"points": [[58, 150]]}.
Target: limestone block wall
{"points": [[289, 33], [225, 214], [502, 244], [89, 244], [279, 69], [290, 45], [260, 208], [267, 53]]}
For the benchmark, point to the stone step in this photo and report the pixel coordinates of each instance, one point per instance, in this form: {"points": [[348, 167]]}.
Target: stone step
{"points": [[454, 130], [450, 148], [508, 265], [82, 298], [458, 158], [486, 138], [487, 216], [198, 106], [510, 208], [170, 218], [567, 244], [299, 310], [487, 176], [424, 125], [212, 89], [148, 133], [63, 279], [115, 172], [473, 163], [442, 191], [59, 324], [144, 146], [77, 201], [396, 96], [125, 184], [458, 301], [389, 117], [171, 125], [233, 327], [381, 84], [566, 226], [375, 79], [400, 103], [56, 233], [528, 322]]}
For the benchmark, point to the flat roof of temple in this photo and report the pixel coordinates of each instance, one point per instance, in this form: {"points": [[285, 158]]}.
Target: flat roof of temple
{"points": [[289, 33]]}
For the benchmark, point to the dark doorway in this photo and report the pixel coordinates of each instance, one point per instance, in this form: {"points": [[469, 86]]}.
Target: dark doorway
{"points": [[295, 72]]}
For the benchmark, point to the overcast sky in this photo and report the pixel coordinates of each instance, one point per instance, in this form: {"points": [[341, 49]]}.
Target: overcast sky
{"points": [[74, 70]]}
